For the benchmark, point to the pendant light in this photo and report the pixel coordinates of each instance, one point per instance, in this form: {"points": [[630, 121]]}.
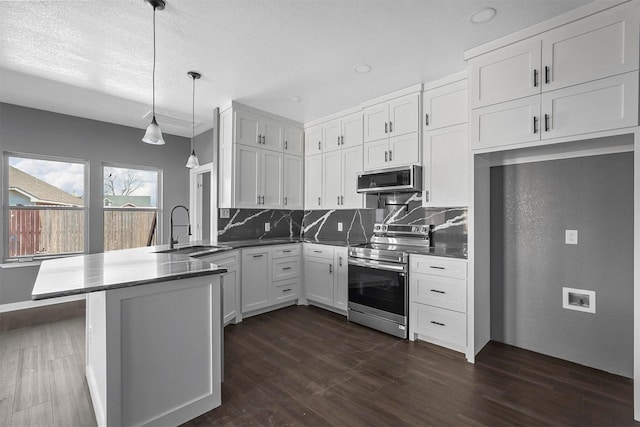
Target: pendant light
{"points": [[193, 162], [153, 135]]}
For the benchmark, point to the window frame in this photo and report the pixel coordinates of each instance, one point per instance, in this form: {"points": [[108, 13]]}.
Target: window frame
{"points": [[159, 202], [6, 207]]}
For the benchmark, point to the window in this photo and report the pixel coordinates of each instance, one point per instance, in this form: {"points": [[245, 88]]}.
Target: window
{"points": [[45, 206], [130, 201]]}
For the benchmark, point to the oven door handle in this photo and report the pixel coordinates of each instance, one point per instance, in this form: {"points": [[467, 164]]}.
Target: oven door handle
{"points": [[378, 265]]}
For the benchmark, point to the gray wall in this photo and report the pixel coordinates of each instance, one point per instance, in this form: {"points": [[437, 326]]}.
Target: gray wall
{"points": [[531, 207], [203, 145], [26, 130]]}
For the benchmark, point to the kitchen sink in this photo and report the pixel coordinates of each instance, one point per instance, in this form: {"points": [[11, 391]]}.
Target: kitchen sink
{"points": [[195, 250]]}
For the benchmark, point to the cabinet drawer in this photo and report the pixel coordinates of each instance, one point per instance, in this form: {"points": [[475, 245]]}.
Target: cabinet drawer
{"points": [[286, 251], [438, 291], [318, 251], [224, 260], [285, 290], [438, 266], [446, 327], [285, 268]]}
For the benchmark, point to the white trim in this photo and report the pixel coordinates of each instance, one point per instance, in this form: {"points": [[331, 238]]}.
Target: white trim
{"points": [[393, 95], [462, 75], [236, 105], [534, 30], [333, 116], [14, 306], [196, 216]]}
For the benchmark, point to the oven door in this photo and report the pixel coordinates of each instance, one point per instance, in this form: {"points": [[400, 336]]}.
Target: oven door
{"points": [[378, 288]]}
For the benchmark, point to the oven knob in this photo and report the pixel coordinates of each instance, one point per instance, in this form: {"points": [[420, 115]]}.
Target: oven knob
{"points": [[377, 228], [414, 228], [425, 229]]}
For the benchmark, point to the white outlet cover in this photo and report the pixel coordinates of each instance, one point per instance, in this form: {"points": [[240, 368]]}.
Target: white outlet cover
{"points": [[267, 226], [571, 237], [224, 213], [339, 226]]}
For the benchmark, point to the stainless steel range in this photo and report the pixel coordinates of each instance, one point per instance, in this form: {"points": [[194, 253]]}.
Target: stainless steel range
{"points": [[379, 277]]}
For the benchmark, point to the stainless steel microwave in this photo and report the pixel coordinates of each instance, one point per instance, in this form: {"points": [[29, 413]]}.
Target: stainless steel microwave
{"points": [[400, 179]]}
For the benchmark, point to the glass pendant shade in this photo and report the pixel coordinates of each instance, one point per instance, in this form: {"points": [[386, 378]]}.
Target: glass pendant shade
{"points": [[153, 135], [193, 162]]}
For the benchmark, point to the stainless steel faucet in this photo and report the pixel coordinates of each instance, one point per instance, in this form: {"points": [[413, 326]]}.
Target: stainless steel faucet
{"points": [[173, 241]]}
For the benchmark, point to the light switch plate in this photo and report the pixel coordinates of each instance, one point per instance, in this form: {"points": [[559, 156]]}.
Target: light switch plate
{"points": [[224, 213], [339, 226], [267, 226], [571, 237]]}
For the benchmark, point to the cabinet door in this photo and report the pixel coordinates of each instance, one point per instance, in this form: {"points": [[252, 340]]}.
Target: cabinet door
{"points": [[506, 123], [293, 140], [248, 183], [247, 128], [404, 150], [507, 73], [331, 179], [318, 276], [595, 47], [255, 279], [341, 279], [230, 299], [285, 268], [590, 107], [313, 140], [313, 182], [331, 136], [271, 179], [292, 182], [376, 120], [351, 166], [404, 115], [376, 154], [446, 166], [445, 105], [272, 134], [352, 130], [438, 291]]}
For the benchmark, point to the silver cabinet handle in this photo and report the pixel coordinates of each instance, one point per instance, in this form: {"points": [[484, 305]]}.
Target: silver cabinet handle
{"points": [[338, 140], [535, 77], [390, 157], [286, 268], [318, 252], [340, 261], [342, 200], [258, 256], [386, 156], [258, 199], [318, 201], [385, 127], [287, 290], [437, 267], [546, 123], [390, 127], [286, 251], [426, 120], [342, 140], [437, 323], [438, 291], [285, 200], [264, 139], [546, 74], [259, 139], [319, 145], [535, 124], [338, 199], [330, 268], [285, 145]]}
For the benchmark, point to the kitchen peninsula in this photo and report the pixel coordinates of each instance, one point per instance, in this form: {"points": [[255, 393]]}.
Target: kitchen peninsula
{"points": [[153, 332]]}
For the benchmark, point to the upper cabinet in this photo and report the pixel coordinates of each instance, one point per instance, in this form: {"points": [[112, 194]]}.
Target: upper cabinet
{"points": [[313, 140], [260, 163], [577, 78], [598, 46], [392, 130], [445, 105], [342, 133]]}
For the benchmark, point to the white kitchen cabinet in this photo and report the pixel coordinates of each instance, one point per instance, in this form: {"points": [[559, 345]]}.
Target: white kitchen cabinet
{"points": [[313, 140], [438, 301], [271, 276], [589, 107], [259, 180], [588, 49], [446, 105], [326, 276], [397, 151], [293, 182], [313, 182], [392, 118], [231, 309], [293, 140], [251, 159], [342, 133], [256, 271], [376, 155], [446, 167], [331, 136], [339, 182]]}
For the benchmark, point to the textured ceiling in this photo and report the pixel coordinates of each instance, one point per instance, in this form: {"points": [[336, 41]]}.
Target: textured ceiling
{"points": [[93, 58]]}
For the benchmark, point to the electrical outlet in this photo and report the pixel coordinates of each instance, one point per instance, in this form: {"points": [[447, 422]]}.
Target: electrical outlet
{"points": [[224, 213], [267, 226], [571, 237], [339, 226]]}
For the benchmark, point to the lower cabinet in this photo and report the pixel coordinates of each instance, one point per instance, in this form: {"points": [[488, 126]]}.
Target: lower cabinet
{"points": [[438, 301], [271, 276], [326, 276], [231, 310]]}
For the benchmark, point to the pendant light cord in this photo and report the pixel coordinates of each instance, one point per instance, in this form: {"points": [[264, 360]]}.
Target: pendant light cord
{"points": [[193, 111], [153, 79]]}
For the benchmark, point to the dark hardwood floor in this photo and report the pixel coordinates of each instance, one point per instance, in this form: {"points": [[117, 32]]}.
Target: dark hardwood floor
{"points": [[307, 366]]}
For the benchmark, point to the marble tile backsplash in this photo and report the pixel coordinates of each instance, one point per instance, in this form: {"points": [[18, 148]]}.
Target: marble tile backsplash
{"points": [[450, 224]]}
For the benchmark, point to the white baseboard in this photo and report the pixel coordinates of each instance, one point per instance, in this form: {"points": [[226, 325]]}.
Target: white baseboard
{"points": [[4, 308]]}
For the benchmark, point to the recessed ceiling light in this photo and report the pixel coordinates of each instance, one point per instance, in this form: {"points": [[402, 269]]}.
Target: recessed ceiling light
{"points": [[293, 98], [364, 68], [483, 15]]}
